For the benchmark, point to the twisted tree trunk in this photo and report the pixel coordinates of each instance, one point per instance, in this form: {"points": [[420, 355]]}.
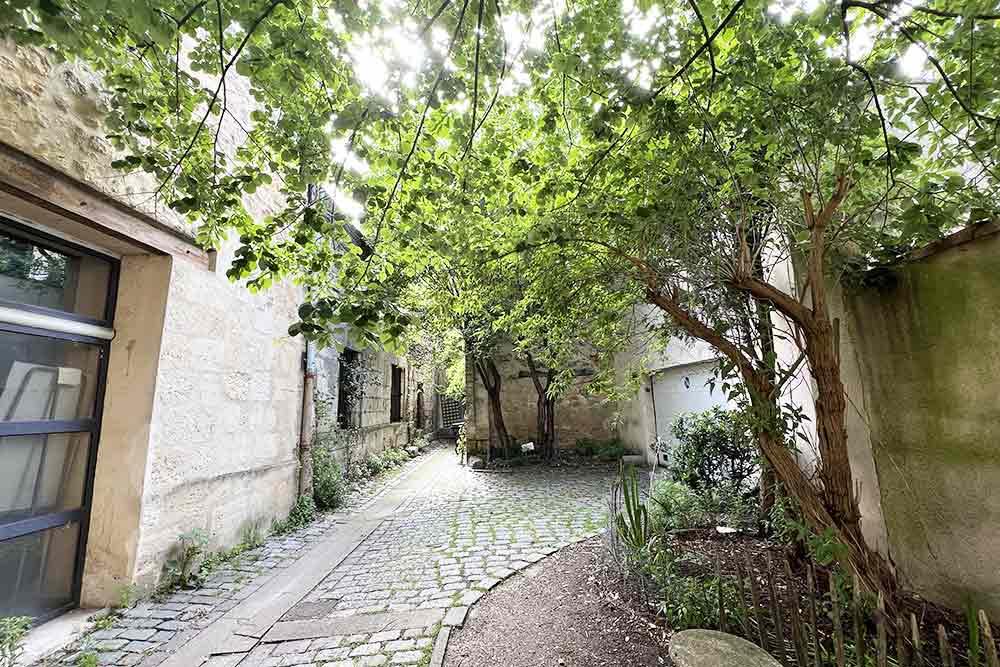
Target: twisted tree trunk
{"points": [[831, 506], [546, 406], [492, 382]]}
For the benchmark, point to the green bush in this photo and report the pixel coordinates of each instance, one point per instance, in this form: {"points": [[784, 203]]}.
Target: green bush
{"points": [[302, 514], [182, 569], [605, 450], [329, 485], [675, 506], [376, 464], [689, 602], [12, 631], [714, 449]]}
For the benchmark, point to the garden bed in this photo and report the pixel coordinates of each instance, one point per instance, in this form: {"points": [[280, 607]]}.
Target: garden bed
{"points": [[703, 553]]}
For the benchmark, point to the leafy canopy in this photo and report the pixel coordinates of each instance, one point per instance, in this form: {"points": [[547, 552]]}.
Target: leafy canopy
{"points": [[590, 133]]}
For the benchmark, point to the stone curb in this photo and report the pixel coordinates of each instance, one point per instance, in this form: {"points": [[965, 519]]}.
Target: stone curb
{"points": [[440, 648]]}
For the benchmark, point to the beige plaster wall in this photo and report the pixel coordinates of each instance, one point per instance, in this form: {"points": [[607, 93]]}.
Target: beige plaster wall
{"points": [[928, 346], [205, 434], [226, 414], [133, 367]]}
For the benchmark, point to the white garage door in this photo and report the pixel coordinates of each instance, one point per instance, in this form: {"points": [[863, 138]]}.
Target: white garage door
{"points": [[683, 389]]}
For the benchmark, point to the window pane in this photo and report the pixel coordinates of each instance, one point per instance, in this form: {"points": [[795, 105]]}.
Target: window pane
{"points": [[40, 474], [36, 571], [46, 378], [37, 275]]}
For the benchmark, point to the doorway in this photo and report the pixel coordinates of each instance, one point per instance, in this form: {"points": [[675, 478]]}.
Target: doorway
{"points": [[56, 311]]}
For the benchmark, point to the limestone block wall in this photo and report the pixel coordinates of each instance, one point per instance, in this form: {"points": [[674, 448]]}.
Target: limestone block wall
{"points": [[202, 414], [578, 415], [223, 449]]}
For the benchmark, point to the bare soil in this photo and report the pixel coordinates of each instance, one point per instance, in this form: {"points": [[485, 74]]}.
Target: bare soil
{"points": [[566, 610]]}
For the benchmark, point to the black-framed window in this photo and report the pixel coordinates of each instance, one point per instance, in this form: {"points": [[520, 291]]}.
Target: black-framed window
{"points": [[51, 396], [396, 395]]}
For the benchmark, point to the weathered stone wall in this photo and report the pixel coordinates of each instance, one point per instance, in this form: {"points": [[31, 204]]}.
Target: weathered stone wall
{"points": [[372, 416], [222, 394], [578, 415], [928, 349], [226, 415]]}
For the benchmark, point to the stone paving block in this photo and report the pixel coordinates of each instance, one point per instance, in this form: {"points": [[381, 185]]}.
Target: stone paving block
{"points": [[138, 647], [333, 654], [297, 646], [365, 649], [407, 657], [443, 546], [455, 616]]}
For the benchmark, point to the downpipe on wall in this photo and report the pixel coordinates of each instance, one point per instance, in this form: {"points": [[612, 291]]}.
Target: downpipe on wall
{"points": [[307, 427]]}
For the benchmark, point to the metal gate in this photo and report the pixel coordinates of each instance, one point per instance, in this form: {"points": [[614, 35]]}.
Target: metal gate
{"points": [[56, 307]]}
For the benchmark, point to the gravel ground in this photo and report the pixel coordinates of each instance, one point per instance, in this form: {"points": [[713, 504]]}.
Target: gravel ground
{"points": [[566, 610]]}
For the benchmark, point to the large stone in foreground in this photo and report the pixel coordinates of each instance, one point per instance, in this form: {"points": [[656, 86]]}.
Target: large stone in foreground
{"points": [[708, 648]]}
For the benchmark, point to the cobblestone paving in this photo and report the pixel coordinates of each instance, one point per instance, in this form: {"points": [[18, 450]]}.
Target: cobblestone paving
{"points": [[150, 631], [421, 568]]}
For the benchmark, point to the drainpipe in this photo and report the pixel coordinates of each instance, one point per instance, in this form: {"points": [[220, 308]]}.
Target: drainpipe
{"points": [[307, 427], [656, 427]]}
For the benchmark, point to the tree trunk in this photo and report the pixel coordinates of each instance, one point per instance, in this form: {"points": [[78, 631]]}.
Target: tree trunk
{"points": [[492, 382], [545, 421], [768, 482], [832, 506], [828, 508]]}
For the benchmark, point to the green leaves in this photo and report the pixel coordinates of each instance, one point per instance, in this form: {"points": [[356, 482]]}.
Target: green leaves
{"points": [[580, 160]]}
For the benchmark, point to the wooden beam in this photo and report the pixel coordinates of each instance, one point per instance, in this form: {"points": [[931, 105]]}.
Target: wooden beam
{"points": [[41, 185]]}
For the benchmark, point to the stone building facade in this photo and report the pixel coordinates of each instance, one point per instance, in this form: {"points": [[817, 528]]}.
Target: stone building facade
{"points": [[142, 393], [381, 397], [578, 413]]}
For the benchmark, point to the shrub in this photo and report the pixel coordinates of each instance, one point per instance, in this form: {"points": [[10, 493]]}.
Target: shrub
{"points": [[181, 570], [329, 486], [675, 506], [689, 602], [605, 450], [715, 448], [12, 631], [302, 514]]}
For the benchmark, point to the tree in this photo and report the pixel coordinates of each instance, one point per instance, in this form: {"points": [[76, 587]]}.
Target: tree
{"points": [[684, 150]]}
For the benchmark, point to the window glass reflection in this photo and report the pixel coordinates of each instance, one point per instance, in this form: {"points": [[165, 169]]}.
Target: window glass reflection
{"points": [[37, 275]]}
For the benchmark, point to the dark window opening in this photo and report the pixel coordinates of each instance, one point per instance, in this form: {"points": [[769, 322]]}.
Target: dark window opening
{"points": [[396, 395], [420, 405], [347, 392]]}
